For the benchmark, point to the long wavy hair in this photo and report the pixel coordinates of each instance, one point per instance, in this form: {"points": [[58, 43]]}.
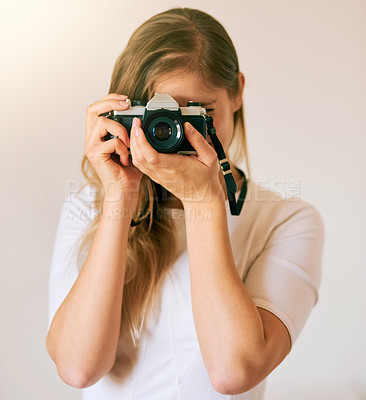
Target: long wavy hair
{"points": [[189, 41]]}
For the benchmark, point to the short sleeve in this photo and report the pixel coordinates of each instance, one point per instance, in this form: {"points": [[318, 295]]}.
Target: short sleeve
{"points": [[285, 277], [77, 213]]}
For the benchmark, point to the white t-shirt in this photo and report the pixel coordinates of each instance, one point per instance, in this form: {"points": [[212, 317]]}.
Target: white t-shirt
{"points": [[277, 246]]}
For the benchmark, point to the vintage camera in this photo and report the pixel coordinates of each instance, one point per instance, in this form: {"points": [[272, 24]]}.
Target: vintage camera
{"points": [[162, 121]]}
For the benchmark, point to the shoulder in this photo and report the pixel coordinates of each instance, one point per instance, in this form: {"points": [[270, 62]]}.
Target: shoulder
{"points": [[284, 238], [271, 226], [79, 204], [268, 210], [77, 214], [82, 197]]}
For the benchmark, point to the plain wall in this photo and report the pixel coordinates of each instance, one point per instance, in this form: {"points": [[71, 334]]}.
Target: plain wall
{"points": [[304, 97]]}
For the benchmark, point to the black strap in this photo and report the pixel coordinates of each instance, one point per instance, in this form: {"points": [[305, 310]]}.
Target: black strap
{"points": [[235, 206], [144, 215]]}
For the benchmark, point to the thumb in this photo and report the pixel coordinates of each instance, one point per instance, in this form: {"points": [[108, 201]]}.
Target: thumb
{"points": [[197, 141]]}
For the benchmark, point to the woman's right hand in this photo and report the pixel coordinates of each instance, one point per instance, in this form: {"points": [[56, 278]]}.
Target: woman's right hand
{"points": [[118, 176]]}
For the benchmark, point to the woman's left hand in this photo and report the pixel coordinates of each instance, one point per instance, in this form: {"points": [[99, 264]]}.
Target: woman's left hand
{"points": [[192, 179]]}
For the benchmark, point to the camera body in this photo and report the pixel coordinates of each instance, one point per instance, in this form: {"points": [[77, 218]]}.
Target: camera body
{"points": [[162, 121]]}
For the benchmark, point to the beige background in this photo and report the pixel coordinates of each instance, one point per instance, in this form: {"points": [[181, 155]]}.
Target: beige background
{"points": [[304, 63]]}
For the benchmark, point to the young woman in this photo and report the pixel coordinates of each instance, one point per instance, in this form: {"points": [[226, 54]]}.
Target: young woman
{"points": [[156, 290]]}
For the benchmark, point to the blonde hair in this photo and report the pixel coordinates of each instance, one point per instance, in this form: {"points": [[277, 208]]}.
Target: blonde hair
{"points": [[180, 39]]}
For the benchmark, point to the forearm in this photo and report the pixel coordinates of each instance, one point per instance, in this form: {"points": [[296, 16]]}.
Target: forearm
{"points": [[85, 330], [228, 325]]}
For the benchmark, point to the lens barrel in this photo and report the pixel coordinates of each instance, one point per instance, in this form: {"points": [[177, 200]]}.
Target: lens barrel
{"points": [[164, 130]]}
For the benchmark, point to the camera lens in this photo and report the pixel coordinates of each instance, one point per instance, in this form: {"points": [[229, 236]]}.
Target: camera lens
{"points": [[162, 131]]}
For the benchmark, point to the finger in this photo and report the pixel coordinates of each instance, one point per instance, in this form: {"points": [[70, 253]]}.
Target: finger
{"points": [[204, 151], [104, 125], [149, 154], [104, 106], [115, 96], [136, 155], [100, 107], [123, 153], [103, 151]]}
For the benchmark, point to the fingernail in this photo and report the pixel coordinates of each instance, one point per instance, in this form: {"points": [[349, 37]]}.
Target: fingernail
{"points": [[123, 103], [135, 127], [188, 128], [123, 97]]}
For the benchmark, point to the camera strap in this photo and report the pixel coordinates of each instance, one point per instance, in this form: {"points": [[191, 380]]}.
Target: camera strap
{"points": [[231, 188]]}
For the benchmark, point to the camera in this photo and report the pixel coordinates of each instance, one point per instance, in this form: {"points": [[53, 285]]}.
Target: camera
{"points": [[162, 121]]}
